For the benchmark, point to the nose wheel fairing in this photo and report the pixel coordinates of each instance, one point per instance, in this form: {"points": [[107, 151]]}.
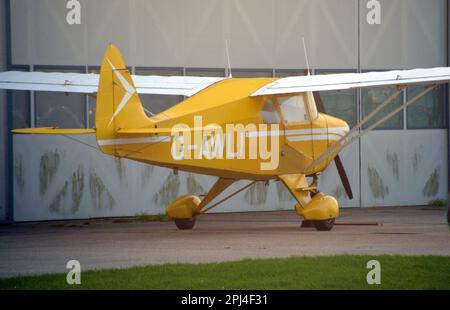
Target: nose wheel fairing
{"points": [[312, 205]]}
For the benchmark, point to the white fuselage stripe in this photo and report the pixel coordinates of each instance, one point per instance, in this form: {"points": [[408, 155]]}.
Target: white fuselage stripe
{"points": [[291, 135], [134, 140], [293, 132], [314, 138]]}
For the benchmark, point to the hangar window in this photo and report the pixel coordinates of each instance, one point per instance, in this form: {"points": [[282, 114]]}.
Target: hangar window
{"points": [[373, 97], [340, 103], [60, 109], [21, 105], [158, 103], [208, 72], [428, 111], [21, 108], [248, 73], [289, 72], [293, 108]]}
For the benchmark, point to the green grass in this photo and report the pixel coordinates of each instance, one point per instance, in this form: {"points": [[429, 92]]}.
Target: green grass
{"points": [[438, 203], [329, 272]]}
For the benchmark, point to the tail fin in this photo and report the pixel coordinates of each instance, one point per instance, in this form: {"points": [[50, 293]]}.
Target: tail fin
{"points": [[118, 104]]}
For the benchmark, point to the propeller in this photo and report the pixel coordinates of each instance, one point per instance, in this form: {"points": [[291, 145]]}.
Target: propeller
{"points": [[337, 159]]}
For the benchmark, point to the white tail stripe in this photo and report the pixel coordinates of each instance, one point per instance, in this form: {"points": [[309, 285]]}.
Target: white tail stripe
{"points": [[167, 139], [292, 135], [126, 85], [254, 134], [129, 92], [122, 104]]}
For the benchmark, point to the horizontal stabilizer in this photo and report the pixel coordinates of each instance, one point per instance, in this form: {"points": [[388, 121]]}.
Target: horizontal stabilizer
{"points": [[53, 131]]}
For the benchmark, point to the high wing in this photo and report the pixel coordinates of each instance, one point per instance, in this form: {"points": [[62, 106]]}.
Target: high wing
{"points": [[298, 84], [315, 83], [88, 83], [399, 78]]}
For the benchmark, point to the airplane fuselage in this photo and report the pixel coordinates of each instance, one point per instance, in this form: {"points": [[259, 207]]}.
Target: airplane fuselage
{"points": [[222, 131]]}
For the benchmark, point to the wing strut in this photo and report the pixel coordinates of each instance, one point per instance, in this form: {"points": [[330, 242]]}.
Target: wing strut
{"points": [[347, 138]]}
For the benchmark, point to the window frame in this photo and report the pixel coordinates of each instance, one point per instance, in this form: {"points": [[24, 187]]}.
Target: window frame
{"points": [[305, 106], [287, 72], [276, 107], [29, 93], [188, 70]]}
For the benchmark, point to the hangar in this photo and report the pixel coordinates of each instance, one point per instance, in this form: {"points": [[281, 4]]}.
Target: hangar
{"points": [[403, 162]]}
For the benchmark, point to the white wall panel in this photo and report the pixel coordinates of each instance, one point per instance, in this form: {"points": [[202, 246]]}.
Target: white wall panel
{"points": [[159, 32], [411, 35], [261, 33], [57, 178], [21, 31], [401, 168], [105, 22], [203, 33]]}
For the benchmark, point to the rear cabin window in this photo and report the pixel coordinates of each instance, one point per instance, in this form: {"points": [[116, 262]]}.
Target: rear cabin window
{"points": [[269, 114]]}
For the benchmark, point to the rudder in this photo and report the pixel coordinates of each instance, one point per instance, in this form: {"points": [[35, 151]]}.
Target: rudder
{"points": [[118, 105]]}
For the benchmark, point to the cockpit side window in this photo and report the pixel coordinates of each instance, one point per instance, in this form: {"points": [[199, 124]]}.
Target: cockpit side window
{"points": [[269, 113], [293, 108]]}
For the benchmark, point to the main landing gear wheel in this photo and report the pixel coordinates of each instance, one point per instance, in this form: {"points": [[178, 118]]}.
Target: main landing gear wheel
{"points": [[184, 224], [324, 225]]}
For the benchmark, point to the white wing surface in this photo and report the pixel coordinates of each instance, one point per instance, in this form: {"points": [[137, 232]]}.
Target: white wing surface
{"points": [[298, 84], [88, 83]]}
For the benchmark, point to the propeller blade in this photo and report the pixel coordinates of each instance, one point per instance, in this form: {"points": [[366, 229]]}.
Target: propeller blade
{"points": [[337, 159], [344, 178]]}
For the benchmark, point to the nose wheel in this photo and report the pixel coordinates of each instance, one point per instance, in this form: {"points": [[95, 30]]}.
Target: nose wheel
{"points": [[185, 224], [324, 225]]}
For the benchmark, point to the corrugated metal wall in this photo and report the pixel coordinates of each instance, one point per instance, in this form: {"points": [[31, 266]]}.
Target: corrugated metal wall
{"points": [[55, 178]]}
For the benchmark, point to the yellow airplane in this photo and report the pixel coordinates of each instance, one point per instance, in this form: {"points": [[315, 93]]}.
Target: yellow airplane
{"points": [[257, 129]]}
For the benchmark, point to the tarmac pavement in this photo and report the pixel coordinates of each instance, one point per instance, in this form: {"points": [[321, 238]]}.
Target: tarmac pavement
{"points": [[46, 247]]}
